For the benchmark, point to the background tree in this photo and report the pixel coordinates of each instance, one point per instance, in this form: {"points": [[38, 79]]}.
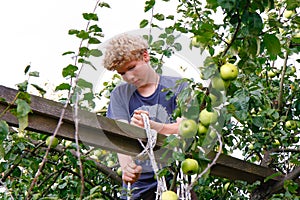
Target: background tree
{"points": [[260, 108]]}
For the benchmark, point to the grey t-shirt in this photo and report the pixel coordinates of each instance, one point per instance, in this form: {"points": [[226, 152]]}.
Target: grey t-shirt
{"points": [[125, 99]]}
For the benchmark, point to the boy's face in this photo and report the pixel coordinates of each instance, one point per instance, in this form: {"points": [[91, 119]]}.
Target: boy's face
{"points": [[137, 72], [134, 72]]}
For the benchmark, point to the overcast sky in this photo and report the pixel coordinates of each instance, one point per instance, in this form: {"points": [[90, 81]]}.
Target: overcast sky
{"points": [[36, 32]]}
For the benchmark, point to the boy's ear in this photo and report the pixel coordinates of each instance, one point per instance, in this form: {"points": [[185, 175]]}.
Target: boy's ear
{"points": [[146, 56]]}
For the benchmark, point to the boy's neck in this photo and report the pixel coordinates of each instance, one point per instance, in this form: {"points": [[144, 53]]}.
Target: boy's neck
{"points": [[148, 89]]}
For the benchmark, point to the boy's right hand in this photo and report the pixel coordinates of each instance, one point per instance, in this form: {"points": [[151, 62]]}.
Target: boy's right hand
{"points": [[131, 173]]}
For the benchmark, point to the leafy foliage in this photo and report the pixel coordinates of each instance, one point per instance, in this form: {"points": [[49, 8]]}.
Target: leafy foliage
{"points": [[260, 37]]}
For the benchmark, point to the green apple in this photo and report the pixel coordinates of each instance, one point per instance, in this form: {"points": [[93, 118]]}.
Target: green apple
{"points": [[291, 124], [94, 157], [188, 128], [169, 195], [119, 171], [54, 142], [250, 146], [55, 158], [229, 71], [288, 13], [195, 41], [190, 166], [276, 143], [98, 152], [295, 139], [216, 98], [293, 69], [67, 143], [219, 84], [272, 73], [110, 163], [297, 35], [202, 129], [21, 134], [207, 118]]}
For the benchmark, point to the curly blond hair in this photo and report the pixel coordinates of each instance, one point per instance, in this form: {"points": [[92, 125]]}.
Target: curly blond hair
{"points": [[122, 49]]}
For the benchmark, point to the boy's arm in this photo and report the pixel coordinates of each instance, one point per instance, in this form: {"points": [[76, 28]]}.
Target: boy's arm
{"points": [[130, 171], [166, 129], [161, 128]]}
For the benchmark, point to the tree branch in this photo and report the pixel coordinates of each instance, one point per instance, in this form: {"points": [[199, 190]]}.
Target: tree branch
{"points": [[283, 70]]}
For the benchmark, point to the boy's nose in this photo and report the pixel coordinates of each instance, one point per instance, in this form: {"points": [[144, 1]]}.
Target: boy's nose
{"points": [[129, 76]]}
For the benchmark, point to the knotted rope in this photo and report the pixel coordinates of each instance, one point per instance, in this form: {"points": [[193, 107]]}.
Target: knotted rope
{"points": [[148, 150]]}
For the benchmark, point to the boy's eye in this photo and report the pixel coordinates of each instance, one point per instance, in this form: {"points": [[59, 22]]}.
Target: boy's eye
{"points": [[132, 67]]}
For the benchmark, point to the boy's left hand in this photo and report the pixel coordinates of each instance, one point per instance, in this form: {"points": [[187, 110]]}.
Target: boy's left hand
{"points": [[137, 119]]}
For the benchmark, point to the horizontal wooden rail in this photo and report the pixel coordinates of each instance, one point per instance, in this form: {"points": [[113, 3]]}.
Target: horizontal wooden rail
{"points": [[99, 131]]}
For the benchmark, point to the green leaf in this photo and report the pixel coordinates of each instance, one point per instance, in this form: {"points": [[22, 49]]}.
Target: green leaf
{"points": [[69, 71], [95, 52], [23, 86], [73, 32], [272, 44], [83, 51], [23, 108], [68, 52], [82, 34], [258, 121], [255, 23], [212, 4], [81, 60], [88, 96], [95, 28], [23, 122], [292, 4], [41, 90], [144, 23], [26, 69], [84, 84], [172, 141], [35, 74], [149, 5], [94, 41], [90, 16], [227, 4], [177, 46], [159, 17], [171, 17], [63, 86], [103, 4], [4, 130], [170, 39]]}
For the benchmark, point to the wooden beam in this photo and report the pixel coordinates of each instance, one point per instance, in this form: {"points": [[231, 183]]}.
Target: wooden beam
{"points": [[115, 136], [94, 130]]}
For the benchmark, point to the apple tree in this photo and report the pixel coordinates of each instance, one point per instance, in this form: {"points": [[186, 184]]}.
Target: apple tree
{"points": [[253, 72], [261, 106]]}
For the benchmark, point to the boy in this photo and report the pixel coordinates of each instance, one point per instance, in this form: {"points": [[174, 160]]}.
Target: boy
{"points": [[141, 93]]}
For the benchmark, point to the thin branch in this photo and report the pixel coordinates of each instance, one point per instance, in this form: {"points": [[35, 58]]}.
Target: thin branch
{"points": [[56, 129], [283, 70], [278, 186], [9, 105]]}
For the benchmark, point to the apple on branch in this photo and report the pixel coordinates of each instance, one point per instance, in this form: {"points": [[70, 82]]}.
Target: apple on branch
{"points": [[169, 195], [54, 141], [206, 117], [229, 72], [219, 84], [291, 125], [190, 166], [188, 128]]}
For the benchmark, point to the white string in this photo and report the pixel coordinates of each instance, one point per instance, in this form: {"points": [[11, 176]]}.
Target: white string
{"points": [[148, 150]]}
